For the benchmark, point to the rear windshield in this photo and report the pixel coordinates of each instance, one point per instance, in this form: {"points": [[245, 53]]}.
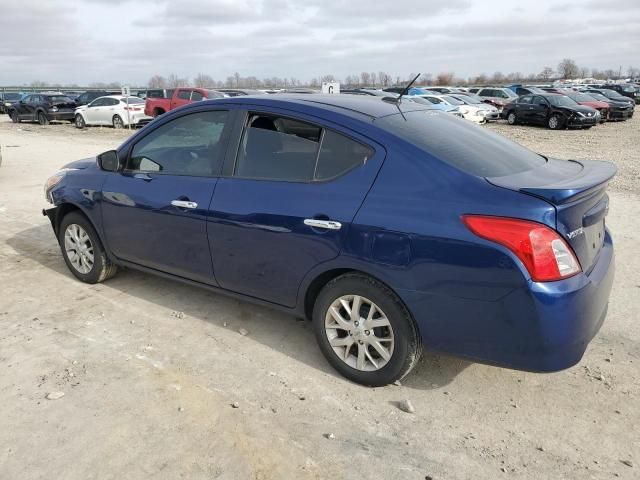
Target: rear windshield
{"points": [[461, 144], [60, 99], [12, 96], [131, 100]]}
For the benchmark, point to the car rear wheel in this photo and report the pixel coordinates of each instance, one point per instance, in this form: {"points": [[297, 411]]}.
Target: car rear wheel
{"points": [[554, 122], [14, 116], [82, 250], [42, 119], [117, 122], [511, 118], [365, 331], [79, 121]]}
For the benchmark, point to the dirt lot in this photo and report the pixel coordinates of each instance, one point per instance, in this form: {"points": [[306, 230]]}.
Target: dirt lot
{"points": [[150, 368]]}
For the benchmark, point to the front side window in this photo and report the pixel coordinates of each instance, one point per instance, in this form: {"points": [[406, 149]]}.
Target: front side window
{"points": [[526, 99], [99, 102], [184, 94], [283, 149], [188, 145], [196, 96]]}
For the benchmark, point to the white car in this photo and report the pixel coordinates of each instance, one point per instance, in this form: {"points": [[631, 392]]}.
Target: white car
{"points": [[479, 113], [115, 110]]}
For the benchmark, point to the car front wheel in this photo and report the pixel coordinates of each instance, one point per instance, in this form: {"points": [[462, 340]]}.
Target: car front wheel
{"points": [[365, 331], [554, 122], [82, 250], [511, 118], [79, 121]]}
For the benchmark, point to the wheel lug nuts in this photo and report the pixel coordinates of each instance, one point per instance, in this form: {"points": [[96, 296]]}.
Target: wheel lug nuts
{"points": [[366, 332], [360, 342], [357, 323]]}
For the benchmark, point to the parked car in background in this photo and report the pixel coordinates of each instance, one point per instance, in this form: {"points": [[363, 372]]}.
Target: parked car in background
{"points": [[114, 110], [526, 89], [497, 96], [441, 90], [614, 96], [552, 110], [432, 103], [91, 95], [237, 92], [371, 92], [390, 226], [617, 110], [589, 101], [625, 90], [42, 108], [475, 109], [181, 96], [7, 99]]}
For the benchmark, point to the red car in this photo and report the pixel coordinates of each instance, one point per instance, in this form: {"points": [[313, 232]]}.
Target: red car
{"points": [[181, 96], [589, 101]]}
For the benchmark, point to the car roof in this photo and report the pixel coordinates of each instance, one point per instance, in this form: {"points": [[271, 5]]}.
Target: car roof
{"points": [[350, 105]]}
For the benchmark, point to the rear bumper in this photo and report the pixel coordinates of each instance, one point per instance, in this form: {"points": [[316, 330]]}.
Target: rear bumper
{"points": [[541, 327], [61, 116]]}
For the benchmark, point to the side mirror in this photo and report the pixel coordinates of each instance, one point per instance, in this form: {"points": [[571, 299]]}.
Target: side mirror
{"points": [[109, 161]]}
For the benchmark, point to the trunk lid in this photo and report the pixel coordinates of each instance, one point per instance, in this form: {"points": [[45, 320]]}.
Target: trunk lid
{"points": [[577, 190]]}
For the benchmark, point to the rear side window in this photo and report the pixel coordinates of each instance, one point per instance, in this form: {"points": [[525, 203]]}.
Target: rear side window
{"points": [[461, 144], [196, 96], [188, 145], [284, 149], [184, 94]]}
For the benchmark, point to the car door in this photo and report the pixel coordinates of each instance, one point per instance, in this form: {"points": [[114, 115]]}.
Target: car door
{"points": [[92, 112], [524, 108], [31, 106], [108, 110], [182, 97], [286, 202], [540, 110], [154, 211]]}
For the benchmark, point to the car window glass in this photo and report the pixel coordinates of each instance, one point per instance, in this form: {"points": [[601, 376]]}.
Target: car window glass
{"points": [[338, 155], [538, 100], [278, 148], [188, 145], [499, 94], [98, 102], [112, 102], [184, 94], [525, 99], [196, 96]]}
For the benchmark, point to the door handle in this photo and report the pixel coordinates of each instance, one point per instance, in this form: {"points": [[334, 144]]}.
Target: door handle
{"points": [[184, 204], [327, 224]]}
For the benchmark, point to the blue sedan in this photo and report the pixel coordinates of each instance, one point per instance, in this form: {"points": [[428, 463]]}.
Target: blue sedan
{"points": [[392, 227]]}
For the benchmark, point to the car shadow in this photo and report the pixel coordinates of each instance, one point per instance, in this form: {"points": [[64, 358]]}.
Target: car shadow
{"points": [[276, 330]]}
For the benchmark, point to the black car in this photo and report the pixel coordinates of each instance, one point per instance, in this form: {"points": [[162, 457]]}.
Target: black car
{"points": [[621, 107], [90, 96], [43, 109], [528, 90], [7, 99], [626, 90], [554, 111]]}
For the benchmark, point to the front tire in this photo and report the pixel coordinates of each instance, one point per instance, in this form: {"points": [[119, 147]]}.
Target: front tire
{"points": [[79, 122], [554, 122], [117, 122], [365, 331], [512, 119], [42, 119], [82, 250]]}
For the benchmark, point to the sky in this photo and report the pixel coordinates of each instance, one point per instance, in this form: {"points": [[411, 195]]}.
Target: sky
{"points": [[128, 41]]}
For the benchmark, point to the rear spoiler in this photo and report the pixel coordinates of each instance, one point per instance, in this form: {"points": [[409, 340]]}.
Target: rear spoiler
{"points": [[560, 181]]}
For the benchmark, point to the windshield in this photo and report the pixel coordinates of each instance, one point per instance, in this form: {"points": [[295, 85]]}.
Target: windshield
{"points": [[422, 100], [613, 94], [598, 96], [60, 99], [452, 100], [581, 97], [561, 101], [463, 99], [482, 153]]}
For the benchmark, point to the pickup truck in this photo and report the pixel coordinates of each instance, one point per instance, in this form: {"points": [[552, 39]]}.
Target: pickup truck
{"points": [[181, 96]]}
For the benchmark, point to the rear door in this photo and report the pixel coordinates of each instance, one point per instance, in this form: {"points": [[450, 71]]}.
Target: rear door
{"points": [[524, 108], [154, 212], [286, 201], [540, 110], [182, 97]]}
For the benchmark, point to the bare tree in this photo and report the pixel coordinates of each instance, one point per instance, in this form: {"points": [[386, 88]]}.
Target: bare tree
{"points": [[365, 78], [173, 81], [480, 79], [546, 74], [598, 74], [610, 74], [374, 79], [498, 77], [584, 72], [157, 81], [445, 78], [38, 84], [633, 72], [204, 81], [327, 78], [384, 78], [514, 76], [568, 69], [425, 79]]}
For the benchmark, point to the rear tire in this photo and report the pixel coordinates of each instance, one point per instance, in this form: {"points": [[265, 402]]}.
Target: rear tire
{"points": [[374, 356], [82, 250], [512, 119], [117, 122], [42, 119], [14, 116]]}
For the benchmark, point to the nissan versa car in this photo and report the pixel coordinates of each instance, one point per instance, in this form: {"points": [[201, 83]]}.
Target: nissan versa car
{"points": [[552, 110], [392, 227]]}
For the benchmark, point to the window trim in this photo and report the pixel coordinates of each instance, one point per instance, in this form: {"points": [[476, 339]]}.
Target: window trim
{"points": [[230, 172], [225, 136]]}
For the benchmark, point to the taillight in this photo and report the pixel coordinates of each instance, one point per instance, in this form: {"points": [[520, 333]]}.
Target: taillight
{"points": [[545, 254]]}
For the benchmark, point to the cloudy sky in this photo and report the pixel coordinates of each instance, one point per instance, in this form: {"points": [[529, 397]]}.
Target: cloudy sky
{"points": [[128, 41]]}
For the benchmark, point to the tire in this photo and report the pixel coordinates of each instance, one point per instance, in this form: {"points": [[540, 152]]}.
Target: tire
{"points": [[157, 112], [399, 334], [71, 235], [117, 122], [512, 119], [42, 119], [79, 122], [554, 122], [14, 116]]}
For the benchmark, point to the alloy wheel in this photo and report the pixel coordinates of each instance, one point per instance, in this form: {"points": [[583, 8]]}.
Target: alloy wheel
{"points": [[553, 122], [359, 333], [79, 249], [117, 122]]}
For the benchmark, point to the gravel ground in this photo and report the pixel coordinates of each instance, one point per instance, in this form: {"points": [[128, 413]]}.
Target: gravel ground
{"points": [[142, 377]]}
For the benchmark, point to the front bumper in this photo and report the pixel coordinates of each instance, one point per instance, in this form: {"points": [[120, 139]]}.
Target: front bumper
{"points": [[620, 114], [579, 122], [542, 327]]}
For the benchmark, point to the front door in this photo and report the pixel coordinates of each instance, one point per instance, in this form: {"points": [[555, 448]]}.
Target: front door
{"points": [[286, 203], [154, 212], [540, 110]]}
